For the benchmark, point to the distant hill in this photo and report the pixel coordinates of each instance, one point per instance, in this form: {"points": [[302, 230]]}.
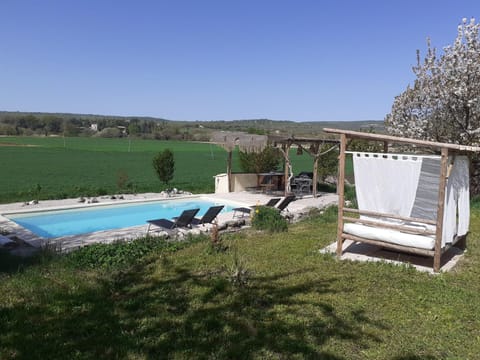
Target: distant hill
{"points": [[311, 128], [36, 121]]}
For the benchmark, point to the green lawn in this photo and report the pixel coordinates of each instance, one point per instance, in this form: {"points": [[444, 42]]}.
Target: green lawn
{"points": [[182, 304], [50, 168]]}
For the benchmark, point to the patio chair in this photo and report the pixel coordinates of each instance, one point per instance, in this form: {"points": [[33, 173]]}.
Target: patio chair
{"points": [[245, 211], [183, 221], [301, 185], [209, 216]]}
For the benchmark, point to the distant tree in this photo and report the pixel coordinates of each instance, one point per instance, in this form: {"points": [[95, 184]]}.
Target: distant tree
{"points": [[53, 124], [264, 161], [256, 131], [164, 165], [134, 129], [444, 102], [70, 129], [6, 129], [110, 133]]}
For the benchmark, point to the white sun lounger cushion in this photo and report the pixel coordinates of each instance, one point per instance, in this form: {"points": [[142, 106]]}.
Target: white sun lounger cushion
{"points": [[390, 236]]}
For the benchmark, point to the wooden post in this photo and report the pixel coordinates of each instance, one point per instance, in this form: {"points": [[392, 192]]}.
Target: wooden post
{"points": [[385, 146], [229, 171], [440, 210], [286, 155], [315, 176], [341, 192]]}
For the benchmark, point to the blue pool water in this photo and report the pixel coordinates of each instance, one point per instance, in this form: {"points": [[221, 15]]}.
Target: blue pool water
{"points": [[52, 224]]}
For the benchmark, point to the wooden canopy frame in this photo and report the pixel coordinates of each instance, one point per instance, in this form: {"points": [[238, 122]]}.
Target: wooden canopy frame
{"points": [[312, 146], [444, 149], [246, 142], [256, 143]]}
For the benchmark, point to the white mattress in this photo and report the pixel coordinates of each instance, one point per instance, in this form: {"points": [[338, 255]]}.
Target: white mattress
{"points": [[390, 236]]}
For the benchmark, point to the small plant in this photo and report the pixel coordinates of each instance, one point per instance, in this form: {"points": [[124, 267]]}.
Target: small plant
{"points": [[267, 218], [122, 179], [237, 273], [101, 191], [216, 244], [35, 190]]}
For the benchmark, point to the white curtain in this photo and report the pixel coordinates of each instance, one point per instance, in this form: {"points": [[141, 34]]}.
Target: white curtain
{"points": [[456, 219], [386, 183]]}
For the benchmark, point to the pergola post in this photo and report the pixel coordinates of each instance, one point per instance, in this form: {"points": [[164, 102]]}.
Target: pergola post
{"points": [[437, 257], [286, 155], [229, 171], [315, 176], [341, 192]]}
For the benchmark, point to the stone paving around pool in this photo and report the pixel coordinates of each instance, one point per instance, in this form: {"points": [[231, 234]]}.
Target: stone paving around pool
{"points": [[10, 230]]}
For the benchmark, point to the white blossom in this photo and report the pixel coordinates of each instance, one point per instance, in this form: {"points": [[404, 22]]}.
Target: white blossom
{"points": [[443, 103]]}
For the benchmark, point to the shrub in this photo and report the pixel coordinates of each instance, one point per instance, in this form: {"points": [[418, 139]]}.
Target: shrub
{"points": [[267, 218], [164, 165]]}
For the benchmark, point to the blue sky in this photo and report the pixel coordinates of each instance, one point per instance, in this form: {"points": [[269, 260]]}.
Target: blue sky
{"points": [[302, 60]]}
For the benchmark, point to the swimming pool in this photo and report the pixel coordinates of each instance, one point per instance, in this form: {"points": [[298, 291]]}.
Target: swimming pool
{"points": [[56, 223]]}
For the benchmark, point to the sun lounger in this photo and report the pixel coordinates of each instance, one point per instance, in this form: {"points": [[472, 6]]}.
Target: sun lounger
{"points": [[245, 211], [209, 216], [183, 221], [285, 202]]}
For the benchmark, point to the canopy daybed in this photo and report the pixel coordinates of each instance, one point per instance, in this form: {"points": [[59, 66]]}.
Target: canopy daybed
{"points": [[407, 202]]}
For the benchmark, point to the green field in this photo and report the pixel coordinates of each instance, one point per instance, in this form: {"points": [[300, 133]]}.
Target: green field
{"points": [[54, 167]]}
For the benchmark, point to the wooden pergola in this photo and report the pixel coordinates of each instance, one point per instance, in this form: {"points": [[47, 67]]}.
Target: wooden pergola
{"points": [[245, 142], [444, 149], [256, 143], [312, 146]]}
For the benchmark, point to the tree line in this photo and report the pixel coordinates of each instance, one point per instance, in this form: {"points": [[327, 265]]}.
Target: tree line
{"points": [[42, 124]]}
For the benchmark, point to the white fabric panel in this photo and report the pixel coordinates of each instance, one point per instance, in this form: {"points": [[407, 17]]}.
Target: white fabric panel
{"points": [[390, 236], [386, 183], [457, 201], [463, 167]]}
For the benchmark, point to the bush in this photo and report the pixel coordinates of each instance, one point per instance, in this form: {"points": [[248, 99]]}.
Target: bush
{"points": [[268, 218], [164, 165]]}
